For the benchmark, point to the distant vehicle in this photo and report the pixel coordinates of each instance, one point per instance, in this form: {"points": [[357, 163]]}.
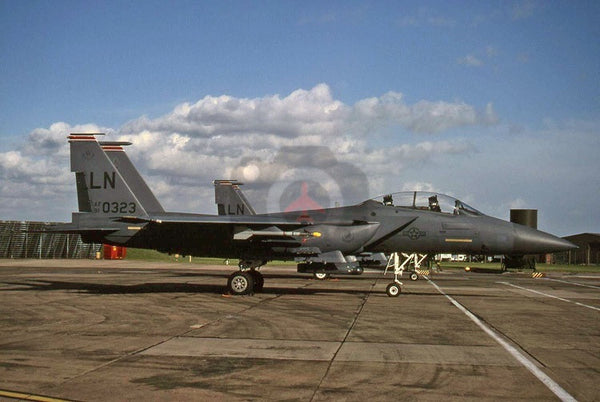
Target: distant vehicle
{"points": [[443, 257], [116, 207]]}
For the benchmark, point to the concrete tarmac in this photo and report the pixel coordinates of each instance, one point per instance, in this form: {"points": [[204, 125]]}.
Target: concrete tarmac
{"points": [[129, 330]]}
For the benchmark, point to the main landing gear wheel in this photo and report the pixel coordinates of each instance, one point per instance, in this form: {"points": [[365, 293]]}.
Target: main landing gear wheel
{"points": [[393, 289], [259, 280], [321, 275], [241, 283], [414, 276]]}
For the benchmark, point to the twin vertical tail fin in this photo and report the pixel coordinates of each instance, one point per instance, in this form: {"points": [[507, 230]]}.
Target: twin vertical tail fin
{"points": [[118, 157], [108, 185], [230, 200]]}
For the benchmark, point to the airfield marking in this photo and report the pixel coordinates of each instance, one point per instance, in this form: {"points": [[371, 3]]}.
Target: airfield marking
{"points": [[574, 283], [29, 397], [529, 365], [552, 296]]}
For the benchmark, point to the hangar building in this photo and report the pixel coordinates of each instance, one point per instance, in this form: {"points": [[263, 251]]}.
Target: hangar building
{"points": [[588, 252]]}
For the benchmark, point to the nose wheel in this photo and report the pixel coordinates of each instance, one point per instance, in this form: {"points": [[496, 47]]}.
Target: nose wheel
{"points": [[393, 289], [413, 260]]}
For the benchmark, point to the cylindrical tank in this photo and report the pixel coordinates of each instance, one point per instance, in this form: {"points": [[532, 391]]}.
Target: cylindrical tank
{"points": [[526, 217]]}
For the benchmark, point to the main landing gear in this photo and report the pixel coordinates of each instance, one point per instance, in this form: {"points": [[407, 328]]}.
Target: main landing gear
{"points": [[322, 275], [247, 280]]}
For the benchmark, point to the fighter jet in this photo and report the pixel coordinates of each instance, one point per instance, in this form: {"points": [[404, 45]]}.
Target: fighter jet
{"points": [[117, 207]]}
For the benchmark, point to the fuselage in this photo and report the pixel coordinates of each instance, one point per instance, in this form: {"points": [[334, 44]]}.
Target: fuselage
{"points": [[371, 226]]}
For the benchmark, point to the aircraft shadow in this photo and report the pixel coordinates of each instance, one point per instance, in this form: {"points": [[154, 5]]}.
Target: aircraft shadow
{"points": [[151, 288], [274, 276], [100, 288]]}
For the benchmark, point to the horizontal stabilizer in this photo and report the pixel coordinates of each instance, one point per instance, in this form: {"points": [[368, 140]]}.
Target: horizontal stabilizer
{"points": [[114, 143]]}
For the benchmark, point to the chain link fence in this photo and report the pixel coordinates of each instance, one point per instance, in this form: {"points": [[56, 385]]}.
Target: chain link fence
{"points": [[21, 239]]}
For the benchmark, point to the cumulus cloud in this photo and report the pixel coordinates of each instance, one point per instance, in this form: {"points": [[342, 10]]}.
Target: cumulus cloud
{"points": [[470, 61], [256, 140], [421, 117], [50, 141], [35, 179], [43, 156], [301, 113]]}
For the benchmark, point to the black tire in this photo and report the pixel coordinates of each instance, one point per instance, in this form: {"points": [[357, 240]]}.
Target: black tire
{"points": [[393, 289], [357, 271], [414, 276], [240, 283], [321, 275], [259, 280]]}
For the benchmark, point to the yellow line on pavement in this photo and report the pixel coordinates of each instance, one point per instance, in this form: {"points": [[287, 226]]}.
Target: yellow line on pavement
{"points": [[29, 397]]}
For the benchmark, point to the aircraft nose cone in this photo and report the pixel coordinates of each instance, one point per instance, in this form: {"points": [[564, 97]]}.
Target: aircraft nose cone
{"points": [[532, 241]]}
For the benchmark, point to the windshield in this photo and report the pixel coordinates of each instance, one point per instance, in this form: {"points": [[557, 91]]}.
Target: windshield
{"points": [[428, 202]]}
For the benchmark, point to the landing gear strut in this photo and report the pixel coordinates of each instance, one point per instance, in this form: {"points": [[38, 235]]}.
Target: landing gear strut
{"points": [[394, 288], [259, 280]]}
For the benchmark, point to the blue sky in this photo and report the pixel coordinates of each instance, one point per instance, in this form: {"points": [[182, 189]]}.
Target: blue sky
{"points": [[527, 74]]}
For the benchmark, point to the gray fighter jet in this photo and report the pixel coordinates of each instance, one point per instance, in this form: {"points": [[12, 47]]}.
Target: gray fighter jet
{"points": [[117, 207]]}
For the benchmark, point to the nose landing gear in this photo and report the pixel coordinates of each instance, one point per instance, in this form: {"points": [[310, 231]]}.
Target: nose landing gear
{"points": [[414, 260], [394, 289]]}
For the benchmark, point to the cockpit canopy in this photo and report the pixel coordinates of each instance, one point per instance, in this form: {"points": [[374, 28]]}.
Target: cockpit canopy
{"points": [[427, 201]]}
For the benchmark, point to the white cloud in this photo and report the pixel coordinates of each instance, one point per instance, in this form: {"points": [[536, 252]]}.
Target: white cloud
{"points": [[259, 139], [470, 61], [382, 138], [301, 113], [421, 117], [418, 186], [476, 59], [49, 141]]}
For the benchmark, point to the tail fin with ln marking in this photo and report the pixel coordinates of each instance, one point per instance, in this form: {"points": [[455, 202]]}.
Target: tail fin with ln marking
{"points": [[137, 184], [230, 200], [101, 188]]}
